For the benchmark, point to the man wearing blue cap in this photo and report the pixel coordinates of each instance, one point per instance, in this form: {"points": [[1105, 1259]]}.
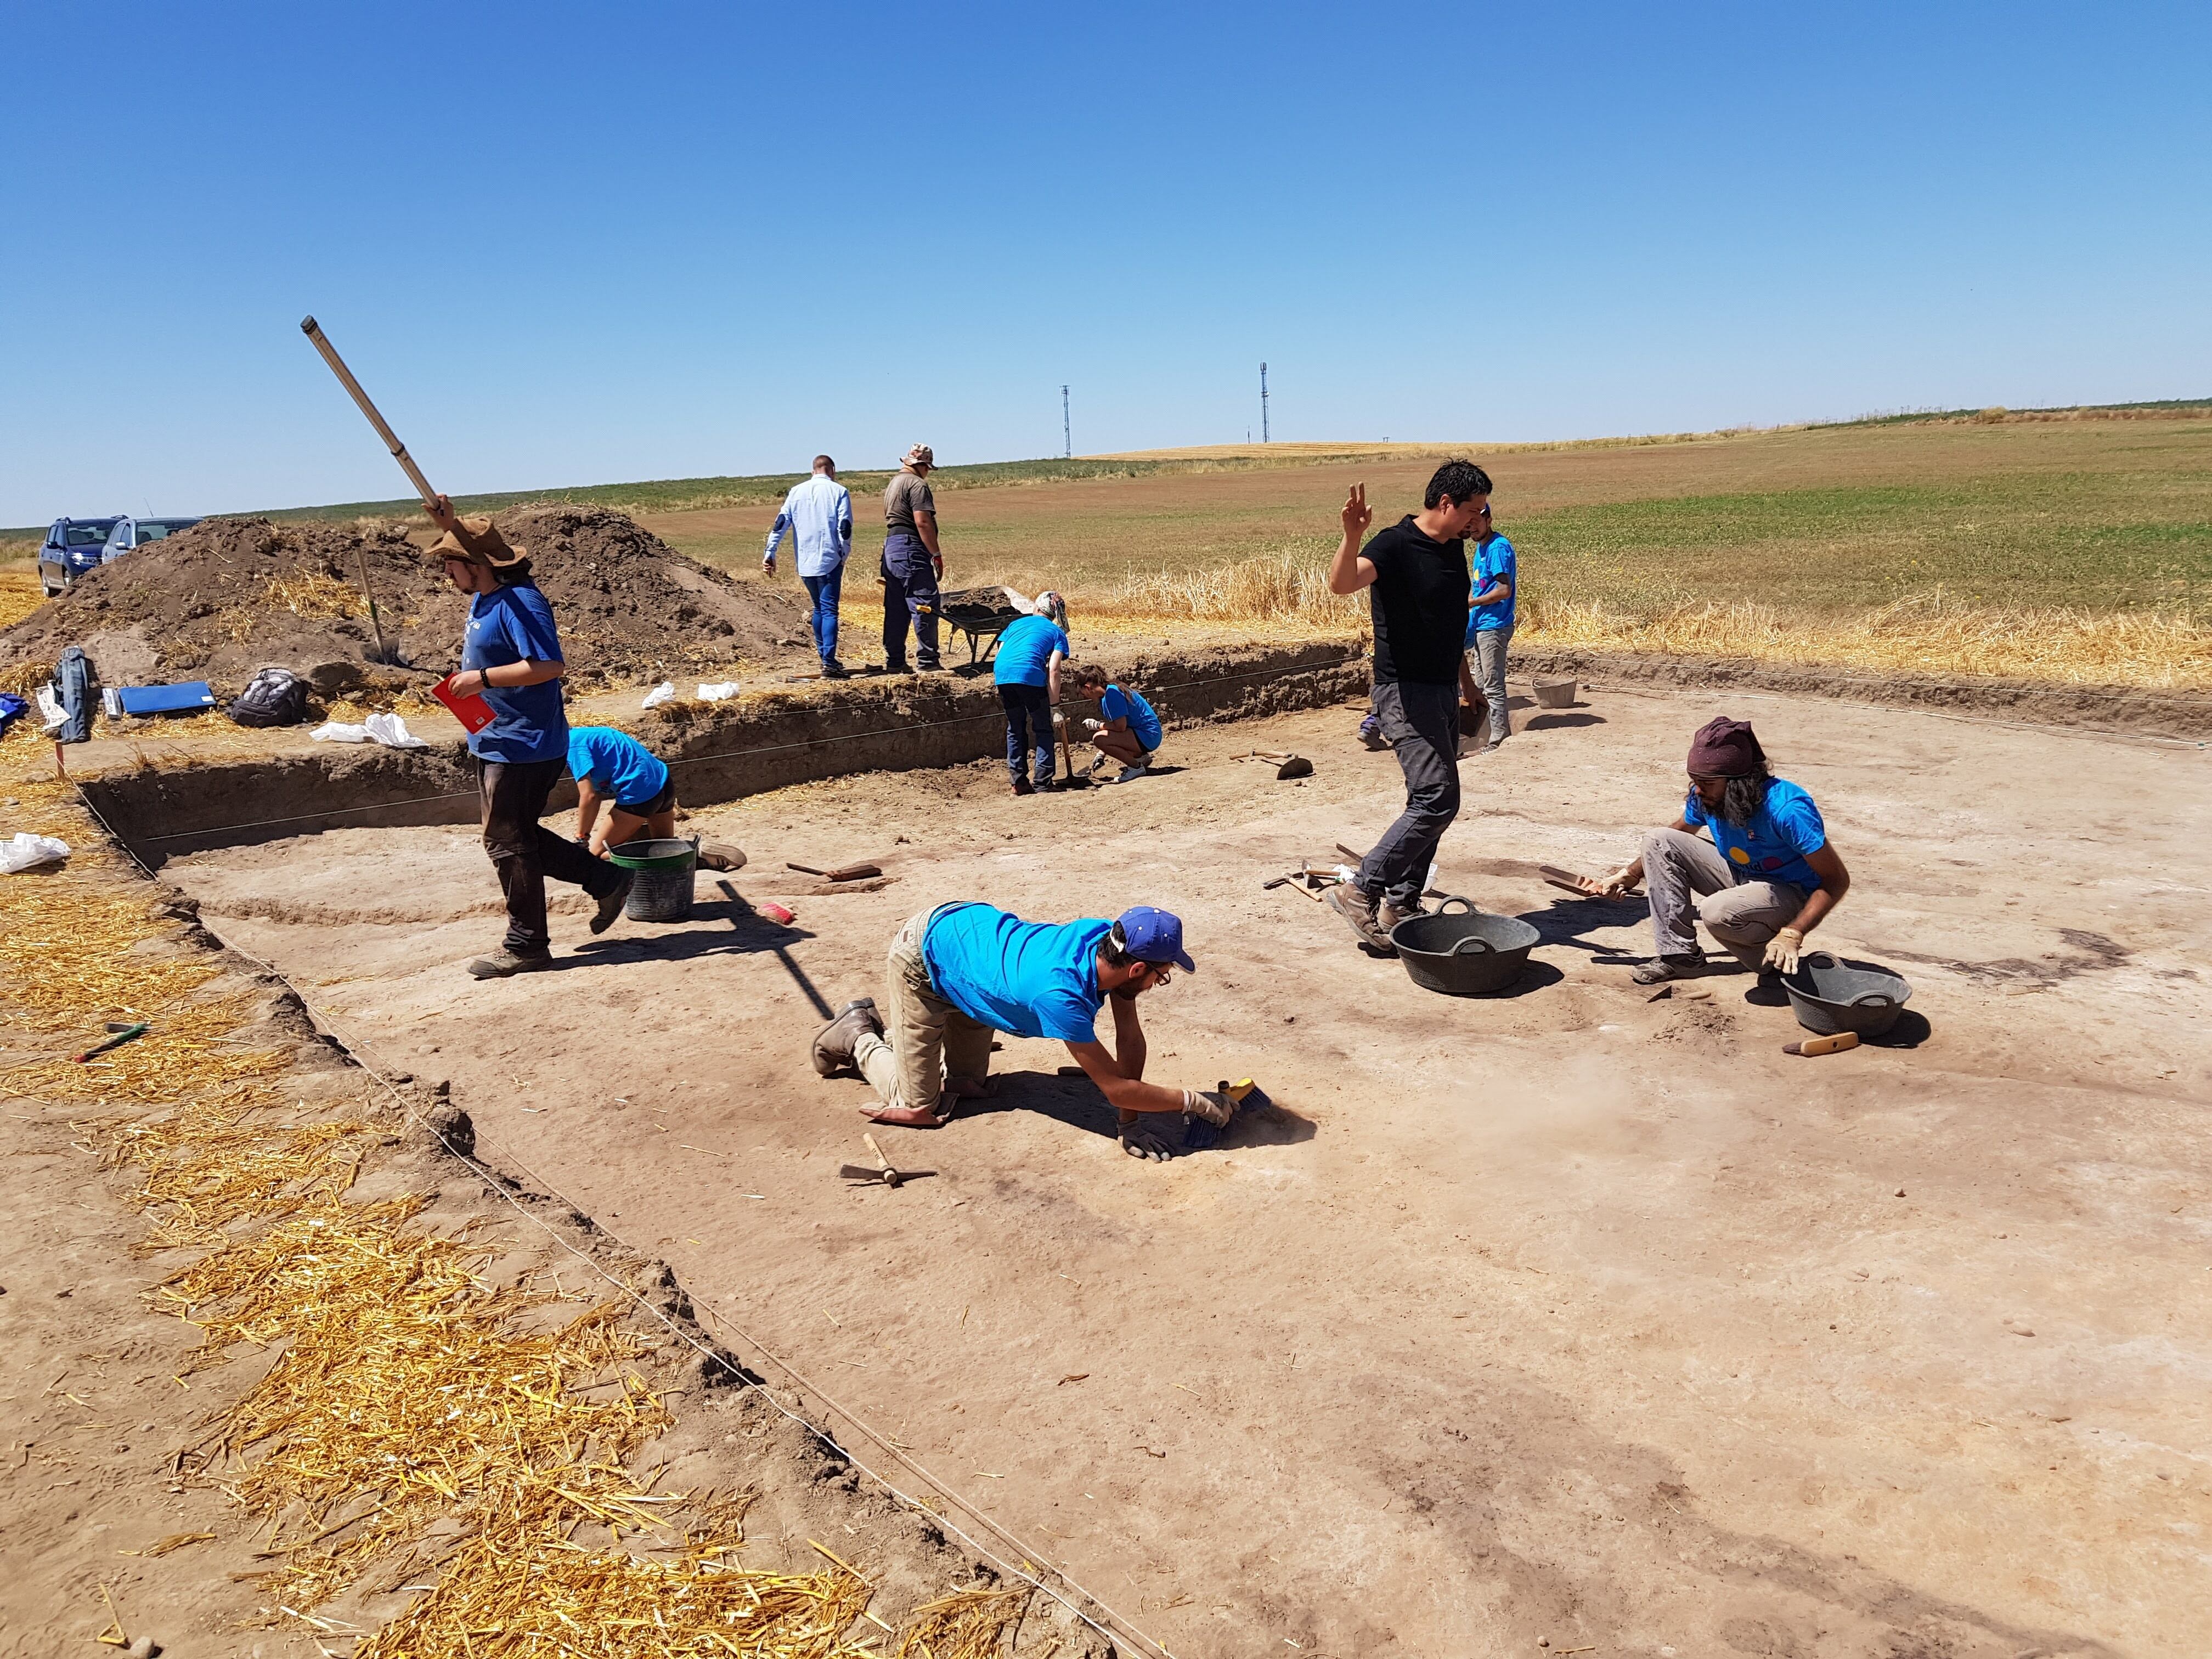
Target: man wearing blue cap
{"points": [[955, 975]]}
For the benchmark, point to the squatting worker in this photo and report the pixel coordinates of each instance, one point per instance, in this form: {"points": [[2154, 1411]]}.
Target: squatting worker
{"points": [[1764, 880], [958, 973], [1026, 670], [1128, 728], [1489, 627], [618, 775], [510, 658], [1416, 574], [913, 564], [818, 515]]}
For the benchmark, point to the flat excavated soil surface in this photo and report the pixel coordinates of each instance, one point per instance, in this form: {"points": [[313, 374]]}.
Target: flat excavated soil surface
{"points": [[1562, 1317]]}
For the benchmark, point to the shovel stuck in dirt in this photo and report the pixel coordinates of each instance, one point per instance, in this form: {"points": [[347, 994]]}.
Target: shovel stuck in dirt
{"points": [[1286, 765]]}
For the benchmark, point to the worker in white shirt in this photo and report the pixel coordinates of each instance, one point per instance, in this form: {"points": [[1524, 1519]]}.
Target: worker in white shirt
{"points": [[819, 513]]}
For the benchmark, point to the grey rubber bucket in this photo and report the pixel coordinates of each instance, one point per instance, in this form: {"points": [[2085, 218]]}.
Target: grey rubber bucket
{"points": [[663, 874], [1830, 996]]}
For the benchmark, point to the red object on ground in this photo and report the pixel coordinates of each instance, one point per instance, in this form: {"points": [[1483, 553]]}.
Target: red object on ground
{"points": [[471, 711], [777, 913]]}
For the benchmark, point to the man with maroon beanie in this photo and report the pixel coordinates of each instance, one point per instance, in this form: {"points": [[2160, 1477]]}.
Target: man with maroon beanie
{"points": [[1764, 880], [1416, 575]]}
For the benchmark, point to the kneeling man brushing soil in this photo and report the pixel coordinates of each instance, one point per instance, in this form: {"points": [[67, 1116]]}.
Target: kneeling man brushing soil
{"points": [[956, 974], [1763, 883]]}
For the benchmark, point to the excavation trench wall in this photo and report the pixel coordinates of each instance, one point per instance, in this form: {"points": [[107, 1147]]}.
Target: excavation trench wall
{"points": [[719, 751], [2150, 711]]}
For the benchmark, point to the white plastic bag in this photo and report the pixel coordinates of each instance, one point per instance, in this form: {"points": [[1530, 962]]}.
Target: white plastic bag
{"points": [[721, 693], [27, 852], [663, 692], [51, 710], [389, 729]]}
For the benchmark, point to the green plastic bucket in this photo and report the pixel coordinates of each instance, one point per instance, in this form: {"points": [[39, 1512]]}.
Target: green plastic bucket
{"points": [[663, 872]]}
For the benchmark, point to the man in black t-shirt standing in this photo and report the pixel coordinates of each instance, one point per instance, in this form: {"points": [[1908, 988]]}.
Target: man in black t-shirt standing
{"points": [[1416, 575]]}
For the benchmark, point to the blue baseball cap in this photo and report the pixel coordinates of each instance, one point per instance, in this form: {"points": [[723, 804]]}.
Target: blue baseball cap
{"points": [[1155, 936]]}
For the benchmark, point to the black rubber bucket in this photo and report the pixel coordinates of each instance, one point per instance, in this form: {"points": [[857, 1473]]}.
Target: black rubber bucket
{"points": [[662, 877], [1463, 953], [1830, 996]]}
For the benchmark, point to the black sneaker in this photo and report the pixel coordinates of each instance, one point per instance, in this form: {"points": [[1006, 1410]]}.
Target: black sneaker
{"points": [[1689, 964], [1359, 912], [611, 902], [504, 963], [834, 670], [833, 1048]]}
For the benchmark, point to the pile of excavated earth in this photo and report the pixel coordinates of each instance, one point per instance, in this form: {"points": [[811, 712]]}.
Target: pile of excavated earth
{"points": [[228, 596]]}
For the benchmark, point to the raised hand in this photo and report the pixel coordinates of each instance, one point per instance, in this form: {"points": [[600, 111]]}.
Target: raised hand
{"points": [[1356, 514]]}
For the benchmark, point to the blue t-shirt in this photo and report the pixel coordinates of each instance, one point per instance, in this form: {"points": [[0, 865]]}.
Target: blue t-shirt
{"points": [[1117, 704], [1773, 845], [616, 763], [1025, 647], [1033, 979], [515, 624], [1493, 559]]}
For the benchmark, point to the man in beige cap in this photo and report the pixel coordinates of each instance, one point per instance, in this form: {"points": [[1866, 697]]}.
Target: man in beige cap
{"points": [[913, 565], [510, 658]]}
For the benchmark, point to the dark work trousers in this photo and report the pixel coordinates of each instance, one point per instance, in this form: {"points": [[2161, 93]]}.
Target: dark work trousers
{"points": [[1027, 709], [910, 585], [511, 798], [1421, 722]]}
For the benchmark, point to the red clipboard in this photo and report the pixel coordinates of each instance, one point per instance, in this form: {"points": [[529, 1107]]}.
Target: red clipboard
{"points": [[471, 711]]}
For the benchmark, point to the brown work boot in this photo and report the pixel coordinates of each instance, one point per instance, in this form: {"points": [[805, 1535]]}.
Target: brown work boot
{"points": [[1389, 915], [504, 963], [1358, 911], [611, 902], [833, 1048]]}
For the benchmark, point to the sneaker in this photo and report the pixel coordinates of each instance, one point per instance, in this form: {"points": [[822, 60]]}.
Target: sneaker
{"points": [[611, 902], [833, 1048], [1131, 774], [504, 963], [1688, 964], [1024, 787], [1359, 912], [834, 670], [721, 855], [1370, 733]]}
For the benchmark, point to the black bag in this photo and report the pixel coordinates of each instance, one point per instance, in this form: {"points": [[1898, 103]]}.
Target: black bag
{"points": [[274, 697], [76, 685]]}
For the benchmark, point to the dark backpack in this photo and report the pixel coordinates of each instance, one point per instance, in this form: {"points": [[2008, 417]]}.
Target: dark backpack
{"points": [[77, 687], [274, 697]]}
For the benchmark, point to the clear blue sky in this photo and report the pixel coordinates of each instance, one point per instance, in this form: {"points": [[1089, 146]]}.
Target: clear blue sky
{"points": [[566, 244]]}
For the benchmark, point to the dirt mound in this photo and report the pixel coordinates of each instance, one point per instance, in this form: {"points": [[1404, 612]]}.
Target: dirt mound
{"points": [[219, 600]]}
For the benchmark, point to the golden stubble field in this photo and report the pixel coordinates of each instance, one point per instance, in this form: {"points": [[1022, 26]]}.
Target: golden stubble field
{"points": [[2077, 549]]}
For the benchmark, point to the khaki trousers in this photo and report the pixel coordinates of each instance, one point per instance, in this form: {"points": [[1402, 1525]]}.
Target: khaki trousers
{"points": [[927, 1037], [1742, 915]]}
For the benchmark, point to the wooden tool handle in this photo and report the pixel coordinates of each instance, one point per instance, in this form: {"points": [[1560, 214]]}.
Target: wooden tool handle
{"points": [[877, 1150], [1834, 1044], [309, 327]]}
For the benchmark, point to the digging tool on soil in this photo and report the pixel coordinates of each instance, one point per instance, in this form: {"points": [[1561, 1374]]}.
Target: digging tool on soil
{"points": [[1834, 1044], [313, 330], [1570, 882], [124, 1032], [842, 872], [883, 1173], [1286, 765]]}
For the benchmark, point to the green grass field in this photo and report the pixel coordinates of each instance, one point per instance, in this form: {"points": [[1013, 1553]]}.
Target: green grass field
{"points": [[2052, 544]]}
